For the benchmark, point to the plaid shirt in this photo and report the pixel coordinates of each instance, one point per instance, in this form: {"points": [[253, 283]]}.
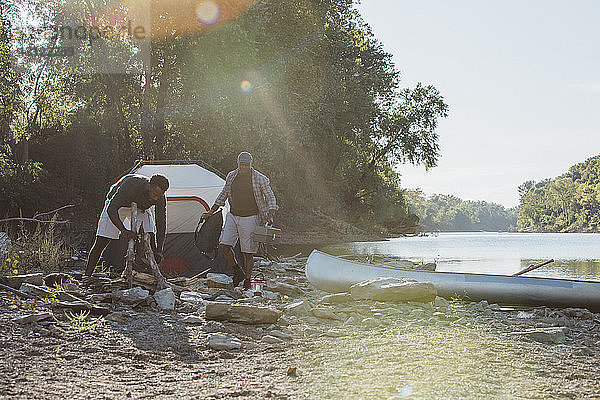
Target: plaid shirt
{"points": [[265, 199]]}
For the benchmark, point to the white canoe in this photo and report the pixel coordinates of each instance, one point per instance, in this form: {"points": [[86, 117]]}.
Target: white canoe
{"points": [[336, 275]]}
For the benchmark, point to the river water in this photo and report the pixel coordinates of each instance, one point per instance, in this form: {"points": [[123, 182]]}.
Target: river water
{"points": [[576, 255]]}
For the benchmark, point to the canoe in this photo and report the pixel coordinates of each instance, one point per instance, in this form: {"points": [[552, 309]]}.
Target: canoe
{"points": [[336, 275]]}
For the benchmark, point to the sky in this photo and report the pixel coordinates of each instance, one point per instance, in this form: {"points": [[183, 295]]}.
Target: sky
{"points": [[521, 78]]}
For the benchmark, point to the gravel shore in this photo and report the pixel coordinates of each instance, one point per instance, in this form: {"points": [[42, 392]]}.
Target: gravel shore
{"points": [[319, 348]]}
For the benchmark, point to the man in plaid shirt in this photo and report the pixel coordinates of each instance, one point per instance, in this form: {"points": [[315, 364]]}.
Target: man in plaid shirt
{"points": [[251, 202]]}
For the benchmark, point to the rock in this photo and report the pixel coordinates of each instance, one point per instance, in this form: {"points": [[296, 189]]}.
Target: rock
{"points": [[298, 308], [99, 310], [35, 291], [350, 321], [441, 302], [16, 281], [165, 299], [285, 288], [271, 339], [242, 313], [195, 297], [56, 279], [221, 341], [580, 313], [64, 296], [393, 289], [76, 306], [324, 313], [219, 280], [118, 317], [281, 335], [495, 307], [100, 298], [337, 298], [193, 320], [223, 298], [552, 335], [270, 295], [130, 296], [27, 319]]}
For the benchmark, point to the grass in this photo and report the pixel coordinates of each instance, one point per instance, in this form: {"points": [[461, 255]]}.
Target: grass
{"points": [[78, 322], [40, 250]]}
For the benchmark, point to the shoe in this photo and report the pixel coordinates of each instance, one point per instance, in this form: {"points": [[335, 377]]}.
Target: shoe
{"points": [[246, 284]]}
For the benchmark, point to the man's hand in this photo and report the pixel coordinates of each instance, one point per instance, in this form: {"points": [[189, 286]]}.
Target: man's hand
{"points": [[128, 234], [207, 215], [270, 215]]}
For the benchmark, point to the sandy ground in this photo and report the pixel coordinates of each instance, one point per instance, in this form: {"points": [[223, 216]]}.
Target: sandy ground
{"points": [[357, 350]]}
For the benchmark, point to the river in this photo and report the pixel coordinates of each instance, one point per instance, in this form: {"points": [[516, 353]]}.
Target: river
{"points": [[576, 255]]}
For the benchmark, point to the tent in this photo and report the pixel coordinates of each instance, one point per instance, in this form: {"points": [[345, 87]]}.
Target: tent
{"points": [[193, 188]]}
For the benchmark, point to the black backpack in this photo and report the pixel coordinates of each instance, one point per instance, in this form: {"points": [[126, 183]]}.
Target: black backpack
{"points": [[206, 236]]}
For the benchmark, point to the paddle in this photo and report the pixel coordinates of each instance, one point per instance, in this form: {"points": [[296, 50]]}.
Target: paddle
{"points": [[532, 267]]}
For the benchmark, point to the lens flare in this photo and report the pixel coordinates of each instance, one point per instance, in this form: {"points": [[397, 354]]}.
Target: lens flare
{"points": [[246, 86], [208, 13]]}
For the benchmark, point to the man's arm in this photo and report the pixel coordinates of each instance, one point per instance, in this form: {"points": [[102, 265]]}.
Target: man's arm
{"points": [[118, 200], [270, 197], [222, 197]]}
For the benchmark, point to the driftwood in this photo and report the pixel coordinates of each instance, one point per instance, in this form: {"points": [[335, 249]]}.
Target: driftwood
{"points": [[160, 279], [36, 217]]}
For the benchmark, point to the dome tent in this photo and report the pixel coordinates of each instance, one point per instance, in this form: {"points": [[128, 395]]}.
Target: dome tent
{"points": [[193, 188]]}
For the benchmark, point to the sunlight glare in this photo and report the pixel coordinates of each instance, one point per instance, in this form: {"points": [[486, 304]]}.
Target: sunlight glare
{"points": [[208, 13]]}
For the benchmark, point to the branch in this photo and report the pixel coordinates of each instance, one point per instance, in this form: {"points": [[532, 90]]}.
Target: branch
{"points": [[34, 220], [53, 211]]}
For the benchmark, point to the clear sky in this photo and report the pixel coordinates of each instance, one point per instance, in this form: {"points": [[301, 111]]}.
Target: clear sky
{"points": [[521, 78]]}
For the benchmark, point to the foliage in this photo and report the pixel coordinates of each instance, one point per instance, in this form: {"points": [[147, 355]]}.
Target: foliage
{"points": [[568, 203], [449, 213], [78, 322], [41, 250], [302, 84]]}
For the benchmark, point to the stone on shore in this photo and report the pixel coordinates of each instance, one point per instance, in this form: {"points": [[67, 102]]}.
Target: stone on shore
{"points": [[27, 319], [16, 281], [285, 289], [221, 341], [551, 335], [394, 289], [165, 299], [271, 339], [130, 296], [298, 308], [337, 298], [241, 313], [34, 290]]}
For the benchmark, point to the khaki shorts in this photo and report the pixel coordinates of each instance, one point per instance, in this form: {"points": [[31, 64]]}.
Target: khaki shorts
{"points": [[242, 228], [107, 229]]}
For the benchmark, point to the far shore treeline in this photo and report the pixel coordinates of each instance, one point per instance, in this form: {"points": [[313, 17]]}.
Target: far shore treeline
{"points": [[303, 85], [568, 203]]}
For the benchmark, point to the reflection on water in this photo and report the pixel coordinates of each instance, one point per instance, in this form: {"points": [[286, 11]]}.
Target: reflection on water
{"points": [[576, 255]]}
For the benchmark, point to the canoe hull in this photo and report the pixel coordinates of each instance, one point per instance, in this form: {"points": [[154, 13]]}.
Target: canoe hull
{"points": [[336, 275]]}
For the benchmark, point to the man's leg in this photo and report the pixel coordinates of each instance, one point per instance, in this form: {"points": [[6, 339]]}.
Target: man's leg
{"points": [[249, 263], [229, 255], [99, 245]]}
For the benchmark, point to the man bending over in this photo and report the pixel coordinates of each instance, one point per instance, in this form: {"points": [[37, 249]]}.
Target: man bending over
{"points": [[145, 193]]}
